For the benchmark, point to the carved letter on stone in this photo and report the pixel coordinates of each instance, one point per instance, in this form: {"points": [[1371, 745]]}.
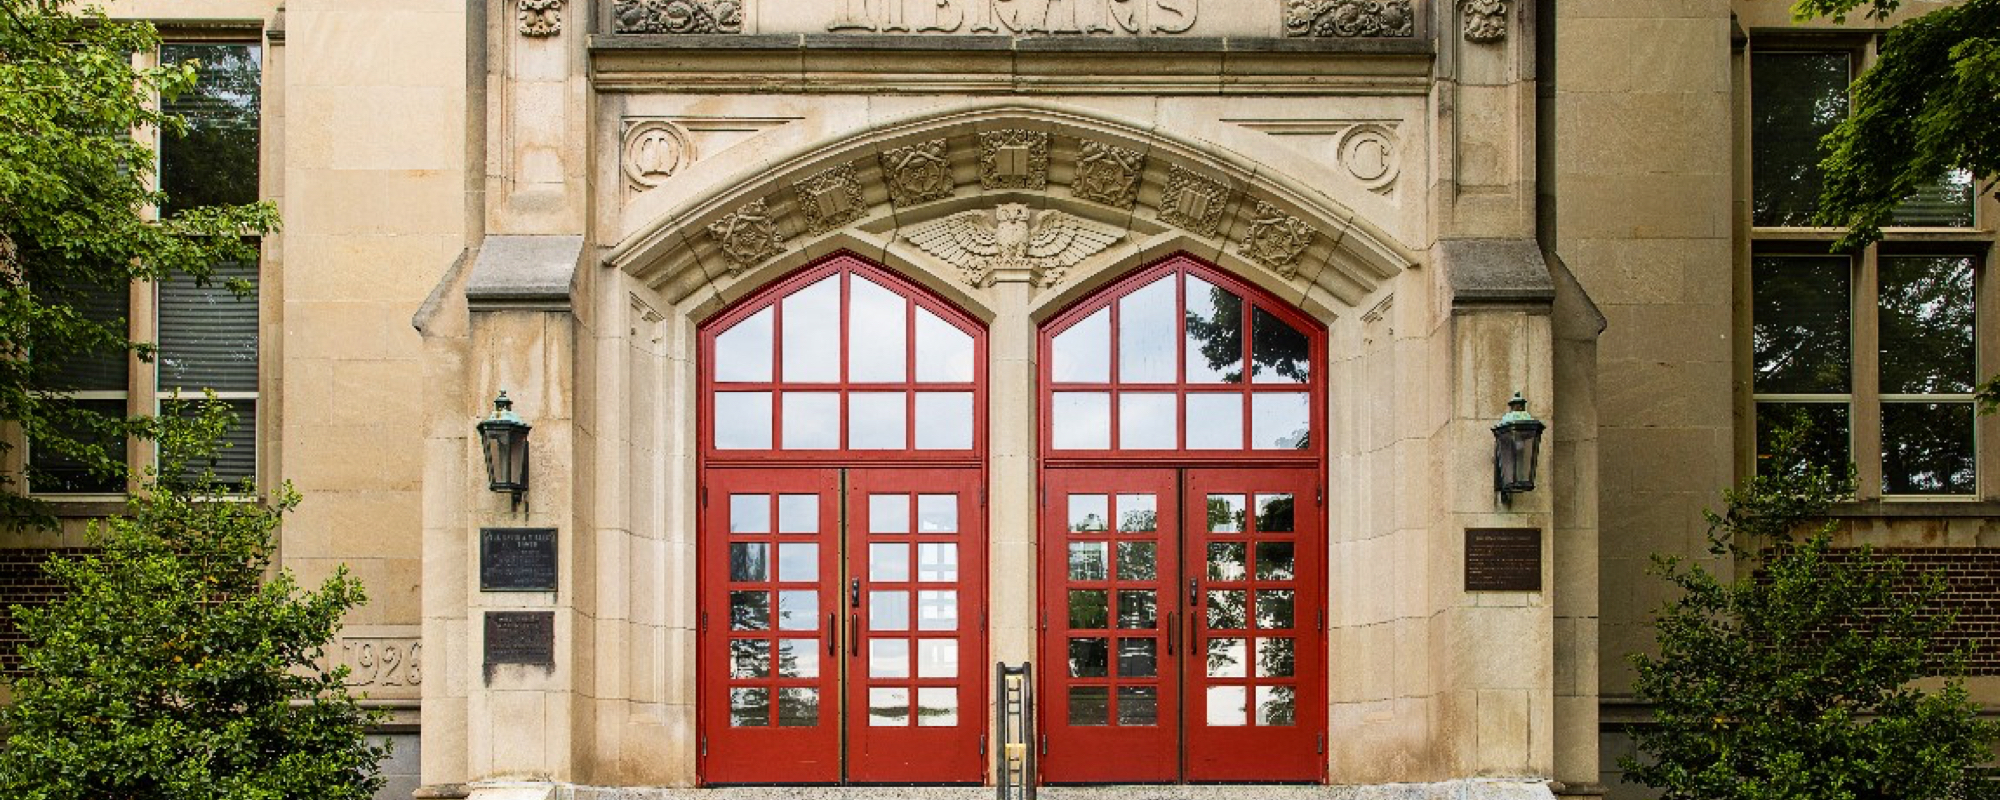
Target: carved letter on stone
{"points": [[1349, 19], [1369, 154], [677, 16], [747, 236], [1485, 20], [1276, 240], [380, 663], [830, 199], [1194, 202], [1013, 243], [1107, 174], [918, 173], [654, 151], [1014, 159]]}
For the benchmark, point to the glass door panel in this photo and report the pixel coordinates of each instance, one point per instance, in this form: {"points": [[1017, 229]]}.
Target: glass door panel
{"points": [[1111, 694], [915, 611], [770, 576], [1255, 593]]}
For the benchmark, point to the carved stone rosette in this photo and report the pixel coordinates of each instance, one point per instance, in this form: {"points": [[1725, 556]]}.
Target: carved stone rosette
{"points": [[1276, 240], [1194, 202], [747, 236], [677, 16], [1349, 19], [539, 18], [1108, 174], [918, 173], [1014, 159], [830, 199], [1485, 20]]}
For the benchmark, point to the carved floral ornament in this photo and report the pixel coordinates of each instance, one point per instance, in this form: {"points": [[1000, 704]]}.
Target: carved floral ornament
{"points": [[539, 18], [1276, 240], [1348, 19], [677, 16], [918, 173], [747, 236], [1485, 20], [1107, 174]]}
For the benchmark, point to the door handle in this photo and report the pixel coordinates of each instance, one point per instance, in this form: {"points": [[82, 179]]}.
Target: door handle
{"points": [[1171, 632], [1194, 592], [854, 634], [832, 634], [854, 594]]}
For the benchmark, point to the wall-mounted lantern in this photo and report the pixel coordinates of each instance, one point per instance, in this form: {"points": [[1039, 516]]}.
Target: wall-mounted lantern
{"points": [[503, 438], [1517, 447]]}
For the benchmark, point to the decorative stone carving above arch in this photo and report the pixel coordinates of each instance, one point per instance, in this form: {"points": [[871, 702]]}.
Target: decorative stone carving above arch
{"points": [[937, 190]]}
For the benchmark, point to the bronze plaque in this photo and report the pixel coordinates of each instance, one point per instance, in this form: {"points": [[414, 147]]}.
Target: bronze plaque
{"points": [[1503, 559], [517, 559], [520, 637]]}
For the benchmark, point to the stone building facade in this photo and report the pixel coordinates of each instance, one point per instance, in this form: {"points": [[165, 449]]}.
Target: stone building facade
{"points": [[1155, 343]]}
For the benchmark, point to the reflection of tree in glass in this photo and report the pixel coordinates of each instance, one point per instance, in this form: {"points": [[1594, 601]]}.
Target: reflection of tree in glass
{"points": [[1226, 609], [749, 611], [1089, 658], [1223, 514], [1927, 448], [1926, 325], [214, 162], [1274, 512], [1800, 323], [1224, 657], [1216, 329], [1275, 658], [1823, 426], [1797, 98], [1089, 608], [1278, 707], [1139, 521]]}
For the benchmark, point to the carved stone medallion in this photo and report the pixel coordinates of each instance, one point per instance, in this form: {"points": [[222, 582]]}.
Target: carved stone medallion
{"points": [[1107, 174], [747, 236], [677, 16], [1013, 243], [1485, 20], [830, 199], [654, 151], [1348, 19], [1014, 159], [1194, 202], [1368, 152], [1276, 240], [918, 173], [539, 17]]}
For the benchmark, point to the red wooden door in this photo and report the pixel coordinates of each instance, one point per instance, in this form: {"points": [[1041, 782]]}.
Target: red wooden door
{"points": [[1255, 578], [916, 614], [1109, 610], [770, 578]]}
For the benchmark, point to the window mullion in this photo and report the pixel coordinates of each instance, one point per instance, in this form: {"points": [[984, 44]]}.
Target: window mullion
{"points": [[1986, 427], [1867, 359]]}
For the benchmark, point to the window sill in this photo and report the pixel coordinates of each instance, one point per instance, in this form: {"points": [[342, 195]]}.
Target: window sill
{"points": [[1908, 509]]}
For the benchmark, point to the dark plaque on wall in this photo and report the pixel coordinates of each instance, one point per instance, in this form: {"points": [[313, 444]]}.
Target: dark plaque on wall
{"points": [[517, 559], [1503, 559], [521, 637]]}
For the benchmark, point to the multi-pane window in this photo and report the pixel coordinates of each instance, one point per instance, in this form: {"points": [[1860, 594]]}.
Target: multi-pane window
{"points": [[1876, 352], [207, 334]]}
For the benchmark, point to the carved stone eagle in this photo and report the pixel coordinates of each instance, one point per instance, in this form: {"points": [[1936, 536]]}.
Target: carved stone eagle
{"points": [[1013, 241]]}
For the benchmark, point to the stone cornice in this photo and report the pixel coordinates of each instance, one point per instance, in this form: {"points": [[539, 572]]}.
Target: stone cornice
{"points": [[835, 63]]}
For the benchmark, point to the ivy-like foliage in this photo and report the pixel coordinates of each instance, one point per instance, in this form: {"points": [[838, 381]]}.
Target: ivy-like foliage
{"points": [[76, 221], [178, 666], [1799, 679]]}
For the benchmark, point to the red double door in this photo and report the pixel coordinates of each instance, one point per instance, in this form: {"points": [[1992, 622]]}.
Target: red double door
{"points": [[1184, 634], [842, 630]]}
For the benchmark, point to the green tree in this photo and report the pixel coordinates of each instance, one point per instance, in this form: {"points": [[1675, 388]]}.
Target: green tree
{"points": [[1798, 679], [177, 665], [77, 222], [1929, 106]]}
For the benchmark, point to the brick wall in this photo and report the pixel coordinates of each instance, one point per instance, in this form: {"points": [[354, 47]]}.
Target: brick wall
{"points": [[22, 582], [1972, 589]]}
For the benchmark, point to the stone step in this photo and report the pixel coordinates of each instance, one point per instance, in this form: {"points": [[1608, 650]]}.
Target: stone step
{"points": [[1483, 789]]}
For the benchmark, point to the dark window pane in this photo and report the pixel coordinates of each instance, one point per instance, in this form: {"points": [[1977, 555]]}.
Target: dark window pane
{"points": [[1795, 99], [208, 334], [1926, 321], [235, 457], [1089, 705], [1279, 353], [74, 363], [1826, 441], [1947, 203], [215, 163], [54, 472], [1800, 324], [1927, 448]]}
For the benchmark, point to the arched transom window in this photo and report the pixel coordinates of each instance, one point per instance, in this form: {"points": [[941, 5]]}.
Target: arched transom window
{"points": [[844, 357], [1182, 357]]}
